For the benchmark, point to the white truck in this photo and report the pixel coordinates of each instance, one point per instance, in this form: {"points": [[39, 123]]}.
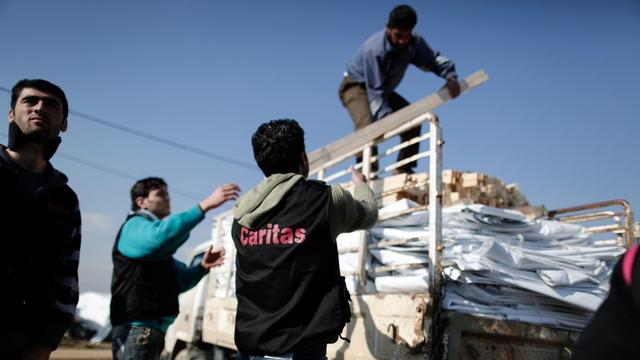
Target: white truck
{"points": [[184, 337], [388, 326], [409, 324]]}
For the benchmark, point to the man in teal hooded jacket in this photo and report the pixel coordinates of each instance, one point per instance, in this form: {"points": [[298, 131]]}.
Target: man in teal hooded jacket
{"points": [[146, 278]]}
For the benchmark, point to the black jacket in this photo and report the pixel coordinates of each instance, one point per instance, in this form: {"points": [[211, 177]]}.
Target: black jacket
{"points": [[615, 328], [291, 297], [39, 257], [141, 289]]}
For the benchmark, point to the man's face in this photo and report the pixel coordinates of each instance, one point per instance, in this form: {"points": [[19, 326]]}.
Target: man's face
{"points": [[158, 202], [38, 113], [398, 37]]}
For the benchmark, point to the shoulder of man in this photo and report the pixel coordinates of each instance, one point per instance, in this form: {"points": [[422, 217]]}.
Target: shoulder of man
{"points": [[316, 182], [4, 164], [59, 180], [315, 185], [138, 216], [376, 37], [71, 195], [374, 45], [418, 41]]}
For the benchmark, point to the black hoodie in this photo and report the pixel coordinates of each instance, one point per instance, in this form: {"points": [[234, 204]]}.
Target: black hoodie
{"points": [[40, 223]]}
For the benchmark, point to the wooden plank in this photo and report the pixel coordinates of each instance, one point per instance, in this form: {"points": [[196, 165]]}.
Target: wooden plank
{"points": [[369, 133], [473, 180], [450, 176]]}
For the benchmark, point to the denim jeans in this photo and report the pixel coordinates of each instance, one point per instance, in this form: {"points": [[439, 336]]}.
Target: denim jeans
{"points": [[289, 356], [137, 342]]}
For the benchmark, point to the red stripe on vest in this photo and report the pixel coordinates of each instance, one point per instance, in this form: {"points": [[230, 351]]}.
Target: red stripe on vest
{"points": [[627, 264]]}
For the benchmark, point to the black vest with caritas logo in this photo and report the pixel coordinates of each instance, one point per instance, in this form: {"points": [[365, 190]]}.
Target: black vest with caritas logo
{"points": [[142, 289], [291, 297]]}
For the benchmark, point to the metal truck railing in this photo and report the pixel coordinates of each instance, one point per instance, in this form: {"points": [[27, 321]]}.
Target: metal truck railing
{"points": [[433, 140], [326, 157], [333, 157], [602, 218]]}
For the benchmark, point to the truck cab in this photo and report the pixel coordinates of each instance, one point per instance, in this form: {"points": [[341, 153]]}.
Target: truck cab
{"points": [[184, 337]]}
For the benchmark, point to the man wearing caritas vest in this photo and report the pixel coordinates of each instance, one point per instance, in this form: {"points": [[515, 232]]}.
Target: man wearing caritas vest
{"points": [[292, 300]]}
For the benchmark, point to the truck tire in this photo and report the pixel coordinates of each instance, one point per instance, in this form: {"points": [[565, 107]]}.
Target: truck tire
{"points": [[195, 353], [199, 353], [182, 355], [221, 353]]}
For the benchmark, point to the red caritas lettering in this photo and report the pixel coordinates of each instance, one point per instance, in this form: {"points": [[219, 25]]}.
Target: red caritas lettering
{"points": [[271, 235], [301, 235], [244, 239]]}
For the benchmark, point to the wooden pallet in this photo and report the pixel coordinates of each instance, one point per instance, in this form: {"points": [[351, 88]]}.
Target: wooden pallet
{"points": [[458, 187]]}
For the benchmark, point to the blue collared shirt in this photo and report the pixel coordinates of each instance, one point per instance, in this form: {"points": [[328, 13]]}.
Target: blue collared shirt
{"points": [[381, 67]]}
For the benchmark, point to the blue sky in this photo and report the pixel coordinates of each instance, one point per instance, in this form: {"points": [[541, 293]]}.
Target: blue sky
{"points": [[559, 115]]}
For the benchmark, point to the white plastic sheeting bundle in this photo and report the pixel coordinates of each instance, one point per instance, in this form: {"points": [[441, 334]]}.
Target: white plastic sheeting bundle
{"points": [[224, 274], [496, 263], [93, 312]]}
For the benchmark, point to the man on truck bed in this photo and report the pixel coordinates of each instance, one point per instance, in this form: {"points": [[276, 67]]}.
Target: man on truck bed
{"points": [[40, 221], [146, 278], [367, 88], [292, 300]]}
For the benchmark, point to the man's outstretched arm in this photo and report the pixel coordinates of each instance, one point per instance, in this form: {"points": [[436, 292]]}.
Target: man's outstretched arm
{"points": [[143, 239], [349, 213], [428, 59], [189, 277]]}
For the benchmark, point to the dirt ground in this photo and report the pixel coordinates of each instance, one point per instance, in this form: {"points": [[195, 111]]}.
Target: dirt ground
{"points": [[75, 350]]}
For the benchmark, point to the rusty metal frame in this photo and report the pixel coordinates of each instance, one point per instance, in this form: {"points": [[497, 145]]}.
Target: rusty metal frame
{"points": [[578, 214], [368, 158], [433, 138]]}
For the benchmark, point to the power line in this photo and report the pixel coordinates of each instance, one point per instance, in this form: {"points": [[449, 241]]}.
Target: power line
{"points": [[155, 138], [161, 140], [174, 190], [115, 172]]}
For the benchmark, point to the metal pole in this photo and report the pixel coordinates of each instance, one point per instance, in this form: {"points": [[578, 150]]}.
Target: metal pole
{"points": [[435, 204], [366, 160]]}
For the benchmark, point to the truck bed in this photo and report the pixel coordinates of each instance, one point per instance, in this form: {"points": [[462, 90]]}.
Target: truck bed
{"points": [[397, 326]]}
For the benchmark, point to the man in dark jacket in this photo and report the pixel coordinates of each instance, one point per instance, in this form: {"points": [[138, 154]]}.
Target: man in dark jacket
{"points": [[41, 224], [292, 300], [615, 327]]}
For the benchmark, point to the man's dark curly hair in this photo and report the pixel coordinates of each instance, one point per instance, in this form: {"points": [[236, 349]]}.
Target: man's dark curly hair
{"points": [[41, 85], [277, 146], [143, 187], [402, 17]]}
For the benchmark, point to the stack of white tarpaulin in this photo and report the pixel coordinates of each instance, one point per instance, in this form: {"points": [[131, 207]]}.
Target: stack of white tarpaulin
{"points": [[92, 312], [496, 263], [224, 274]]}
